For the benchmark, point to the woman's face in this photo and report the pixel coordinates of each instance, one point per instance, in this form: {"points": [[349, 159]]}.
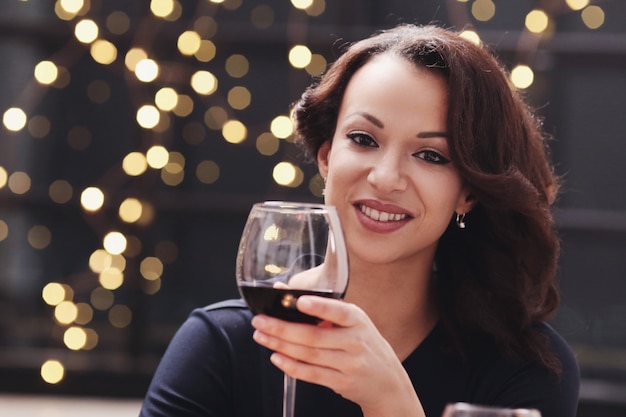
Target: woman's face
{"points": [[387, 168]]}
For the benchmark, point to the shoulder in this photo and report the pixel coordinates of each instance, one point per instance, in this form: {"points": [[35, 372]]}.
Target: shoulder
{"points": [[218, 324], [235, 307], [496, 378], [226, 315], [527, 384], [570, 372]]}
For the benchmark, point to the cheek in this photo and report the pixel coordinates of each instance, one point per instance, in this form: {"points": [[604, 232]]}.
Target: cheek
{"points": [[441, 192], [341, 165]]}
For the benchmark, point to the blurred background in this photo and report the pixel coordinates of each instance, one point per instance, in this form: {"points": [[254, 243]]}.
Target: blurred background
{"points": [[135, 136]]}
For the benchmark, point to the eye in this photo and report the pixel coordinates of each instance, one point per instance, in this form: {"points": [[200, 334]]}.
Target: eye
{"points": [[431, 156], [362, 139]]}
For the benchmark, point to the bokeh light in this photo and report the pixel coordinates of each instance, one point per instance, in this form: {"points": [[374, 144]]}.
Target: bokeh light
{"points": [[151, 268], [157, 156], [74, 338], [46, 72], [577, 4], [53, 293], [19, 182], [86, 31], [234, 131], [593, 17], [14, 119], [203, 82], [483, 10], [146, 70], [92, 199], [134, 164], [114, 243], [103, 52], [39, 237], [287, 174], [189, 42], [537, 21], [72, 6], [148, 116], [208, 172], [471, 36], [65, 312], [52, 371], [282, 126], [300, 56], [237, 66], [522, 76]]}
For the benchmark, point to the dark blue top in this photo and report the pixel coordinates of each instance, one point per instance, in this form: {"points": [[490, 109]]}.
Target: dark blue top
{"points": [[213, 368]]}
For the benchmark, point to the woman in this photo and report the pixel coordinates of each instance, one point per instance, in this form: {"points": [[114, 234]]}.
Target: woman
{"points": [[440, 177]]}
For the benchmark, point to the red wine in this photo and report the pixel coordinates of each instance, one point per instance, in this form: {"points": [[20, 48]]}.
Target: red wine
{"points": [[280, 303]]}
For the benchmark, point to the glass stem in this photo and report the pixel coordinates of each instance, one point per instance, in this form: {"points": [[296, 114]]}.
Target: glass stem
{"points": [[289, 397]]}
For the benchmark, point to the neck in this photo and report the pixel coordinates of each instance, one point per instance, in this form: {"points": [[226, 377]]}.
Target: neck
{"points": [[398, 300]]}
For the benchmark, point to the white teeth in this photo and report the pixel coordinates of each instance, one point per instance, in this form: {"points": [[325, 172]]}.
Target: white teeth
{"points": [[381, 216]]}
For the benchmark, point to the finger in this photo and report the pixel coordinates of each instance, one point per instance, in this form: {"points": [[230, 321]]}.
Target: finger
{"points": [[316, 355], [276, 334], [303, 371], [297, 333], [280, 285], [335, 311]]}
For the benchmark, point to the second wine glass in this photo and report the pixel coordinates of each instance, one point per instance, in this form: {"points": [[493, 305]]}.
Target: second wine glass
{"points": [[473, 410]]}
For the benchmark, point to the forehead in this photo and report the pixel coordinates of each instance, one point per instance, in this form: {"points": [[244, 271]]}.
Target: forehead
{"points": [[390, 86]]}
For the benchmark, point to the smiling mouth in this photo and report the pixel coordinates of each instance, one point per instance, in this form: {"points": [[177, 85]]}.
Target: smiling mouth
{"points": [[381, 216]]}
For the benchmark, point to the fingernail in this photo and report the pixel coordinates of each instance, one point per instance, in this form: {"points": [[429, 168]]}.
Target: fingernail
{"points": [[276, 359], [258, 322], [305, 302], [259, 337]]}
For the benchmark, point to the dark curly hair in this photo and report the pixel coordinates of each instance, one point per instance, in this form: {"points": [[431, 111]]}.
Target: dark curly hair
{"points": [[495, 278]]}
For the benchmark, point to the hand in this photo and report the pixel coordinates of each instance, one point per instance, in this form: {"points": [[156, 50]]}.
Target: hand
{"points": [[345, 353]]}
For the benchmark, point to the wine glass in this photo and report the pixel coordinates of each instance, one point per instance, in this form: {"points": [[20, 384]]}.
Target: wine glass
{"points": [[287, 250], [472, 410]]}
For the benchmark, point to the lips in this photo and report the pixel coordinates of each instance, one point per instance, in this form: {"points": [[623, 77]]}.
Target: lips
{"points": [[380, 215]]}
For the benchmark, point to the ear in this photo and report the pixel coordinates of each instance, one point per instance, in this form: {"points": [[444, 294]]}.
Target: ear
{"points": [[466, 201], [323, 156]]}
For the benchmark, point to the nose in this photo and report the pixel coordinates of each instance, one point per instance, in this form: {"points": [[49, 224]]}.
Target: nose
{"points": [[388, 173]]}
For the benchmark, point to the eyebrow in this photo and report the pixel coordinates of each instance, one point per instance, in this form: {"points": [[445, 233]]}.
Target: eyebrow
{"points": [[376, 122]]}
